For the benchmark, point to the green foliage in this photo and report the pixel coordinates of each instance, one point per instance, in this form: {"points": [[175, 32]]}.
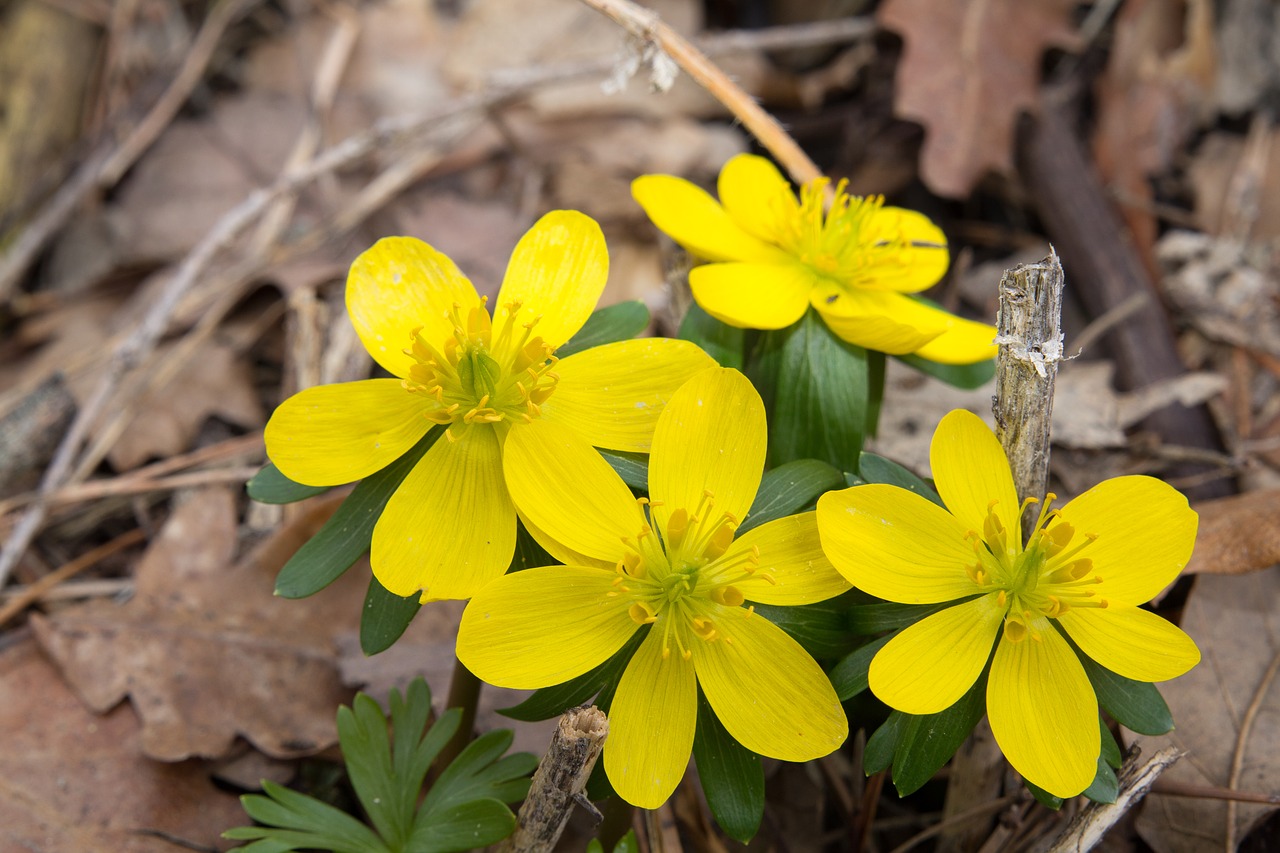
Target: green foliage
{"points": [[347, 534], [385, 617], [967, 376], [269, 486], [821, 628], [790, 488], [633, 468], [849, 676], [877, 469], [926, 742], [464, 809], [731, 776], [719, 340], [1136, 705], [607, 325], [601, 682], [626, 844], [816, 389]]}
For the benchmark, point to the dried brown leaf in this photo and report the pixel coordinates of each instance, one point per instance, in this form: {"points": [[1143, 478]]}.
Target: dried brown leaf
{"points": [[1236, 623], [73, 780], [968, 68], [1238, 534], [204, 650]]}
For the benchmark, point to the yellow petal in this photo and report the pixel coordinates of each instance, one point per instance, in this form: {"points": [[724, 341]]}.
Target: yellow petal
{"points": [[915, 260], [962, 341], [753, 295], [757, 196], [696, 221], [1145, 535], [564, 555], [971, 471], [398, 285], [450, 528], [611, 395], [1132, 642], [557, 272], [334, 434], [710, 439], [931, 664], [876, 319], [769, 694], [895, 544], [543, 626], [568, 492], [651, 725], [791, 555], [1043, 712]]}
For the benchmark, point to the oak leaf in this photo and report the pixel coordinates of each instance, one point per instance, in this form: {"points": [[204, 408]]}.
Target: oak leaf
{"points": [[968, 68]]}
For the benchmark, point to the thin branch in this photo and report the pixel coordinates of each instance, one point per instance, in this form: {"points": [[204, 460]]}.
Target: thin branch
{"points": [[1093, 821], [648, 28]]}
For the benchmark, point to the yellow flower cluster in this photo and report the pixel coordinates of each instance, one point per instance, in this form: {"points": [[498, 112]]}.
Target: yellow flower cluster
{"points": [[521, 426]]}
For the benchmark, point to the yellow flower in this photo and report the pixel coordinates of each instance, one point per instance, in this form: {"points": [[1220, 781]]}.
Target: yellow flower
{"points": [[673, 568], [773, 256], [450, 527], [1084, 570]]}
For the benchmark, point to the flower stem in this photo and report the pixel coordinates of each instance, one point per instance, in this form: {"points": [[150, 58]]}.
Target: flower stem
{"points": [[464, 693]]}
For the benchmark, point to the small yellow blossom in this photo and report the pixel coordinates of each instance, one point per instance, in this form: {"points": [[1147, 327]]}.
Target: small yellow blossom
{"points": [[450, 527], [772, 256], [1083, 571], [670, 566]]}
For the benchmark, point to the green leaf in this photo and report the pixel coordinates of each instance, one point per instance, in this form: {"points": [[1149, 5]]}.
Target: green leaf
{"points": [[347, 534], [529, 554], [875, 397], [967, 376], [877, 469], [926, 742], [1042, 796], [1105, 787], [295, 821], [1135, 705], [465, 826], [821, 628], [606, 325], [731, 776], [387, 777], [1110, 749], [463, 811], [790, 488], [633, 468], [849, 676], [481, 772], [878, 754], [816, 388], [864, 619], [718, 340], [626, 844], [385, 617], [548, 702], [269, 486]]}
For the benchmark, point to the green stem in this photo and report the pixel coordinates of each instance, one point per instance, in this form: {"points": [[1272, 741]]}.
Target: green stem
{"points": [[464, 693]]}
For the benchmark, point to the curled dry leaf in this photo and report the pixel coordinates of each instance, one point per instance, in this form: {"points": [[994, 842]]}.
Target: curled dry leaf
{"points": [[1228, 715], [73, 780], [968, 68], [1237, 534], [204, 650]]}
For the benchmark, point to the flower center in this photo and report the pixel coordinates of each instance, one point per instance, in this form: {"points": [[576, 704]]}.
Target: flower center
{"points": [[681, 581], [1042, 580], [478, 378], [843, 242]]}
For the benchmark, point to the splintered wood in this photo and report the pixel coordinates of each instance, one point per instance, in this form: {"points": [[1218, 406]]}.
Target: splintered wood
{"points": [[1029, 333], [558, 784]]}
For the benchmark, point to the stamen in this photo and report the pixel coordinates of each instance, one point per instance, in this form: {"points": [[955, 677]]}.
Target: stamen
{"points": [[729, 596]]}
